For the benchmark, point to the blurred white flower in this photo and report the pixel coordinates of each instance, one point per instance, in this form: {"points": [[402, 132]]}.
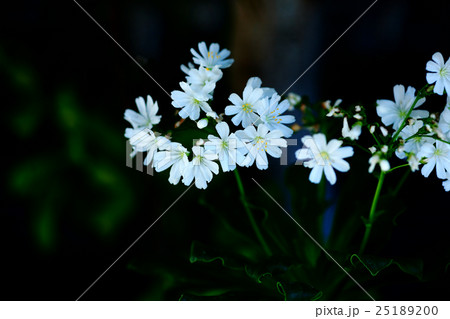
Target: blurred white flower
{"points": [[439, 73], [187, 68], [259, 142], [244, 109], [394, 112], [146, 117], [201, 168], [175, 156], [270, 114], [191, 101], [333, 110], [323, 157], [293, 100], [438, 156], [228, 147], [146, 141], [352, 133], [212, 57]]}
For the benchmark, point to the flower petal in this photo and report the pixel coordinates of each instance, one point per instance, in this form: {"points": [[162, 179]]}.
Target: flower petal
{"points": [[316, 174], [330, 174]]}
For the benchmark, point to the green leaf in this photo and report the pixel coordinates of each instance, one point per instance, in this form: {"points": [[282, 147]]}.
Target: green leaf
{"points": [[413, 267], [373, 264], [255, 274], [298, 291], [201, 253]]}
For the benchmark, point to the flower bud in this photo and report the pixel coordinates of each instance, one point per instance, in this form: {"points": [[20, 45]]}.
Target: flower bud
{"points": [[384, 165], [202, 123], [199, 142]]}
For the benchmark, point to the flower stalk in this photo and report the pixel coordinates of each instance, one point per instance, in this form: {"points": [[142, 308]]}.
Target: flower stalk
{"points": [[250, 215], [372, 213]]}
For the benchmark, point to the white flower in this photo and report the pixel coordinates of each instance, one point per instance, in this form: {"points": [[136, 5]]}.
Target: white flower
{"points": [[191, 101], [376, 159], [395, 112], [187, 68], [260, 142], [323, 157], [228, 147], [146, 117], [270, 114], [212, 57], [146, 141], [334, 110], [444, 120], [201, 77], [255, 82], [175, 156], [244, 108], [446, 183], [293, 100], [439, 73], [201, 168], [436, 156], [412, 145], [413, 162], [352, 133]]}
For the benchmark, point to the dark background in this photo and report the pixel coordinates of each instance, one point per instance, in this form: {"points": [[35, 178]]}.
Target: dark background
{"points": [[69, 204]]}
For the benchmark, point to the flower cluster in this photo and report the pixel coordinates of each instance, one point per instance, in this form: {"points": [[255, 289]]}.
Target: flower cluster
{"points": [[260, 111], [413, 134]]}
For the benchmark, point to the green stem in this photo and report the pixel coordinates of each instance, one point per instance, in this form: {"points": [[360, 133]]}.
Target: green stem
{"points": [[425, 135], [401, 182], [419, 96], [250, 215], [376, 140], [373, 209], [396, 167]]}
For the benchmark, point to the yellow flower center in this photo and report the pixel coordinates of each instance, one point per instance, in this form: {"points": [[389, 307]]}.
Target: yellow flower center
{"points": [[325, 156], [247, 108], [212, 54]]}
